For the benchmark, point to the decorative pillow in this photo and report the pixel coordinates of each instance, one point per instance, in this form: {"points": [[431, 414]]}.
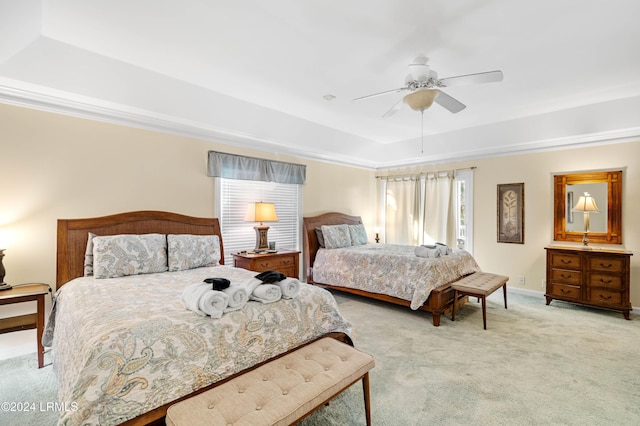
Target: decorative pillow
{"points": [[320, 237], [128, 254], [336, 236], [358, 235], [187, 251], [88, 256]]}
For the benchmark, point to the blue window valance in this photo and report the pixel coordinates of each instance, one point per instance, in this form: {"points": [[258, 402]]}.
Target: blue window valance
{"points": [[231, 166]]}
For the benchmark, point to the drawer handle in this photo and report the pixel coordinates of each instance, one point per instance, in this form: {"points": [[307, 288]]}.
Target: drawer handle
{"points": [[605, 298], [264, 265], [286, 262], [606, 266], [562, 290], [565, 276], [566, 262], [605, 282]]}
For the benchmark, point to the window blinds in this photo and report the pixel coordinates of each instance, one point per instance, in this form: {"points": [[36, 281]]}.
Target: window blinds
{"points": [[238, 235]]}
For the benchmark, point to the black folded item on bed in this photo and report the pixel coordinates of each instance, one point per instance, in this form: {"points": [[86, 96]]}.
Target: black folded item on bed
{"points": [[218, 283], [270, 276]]}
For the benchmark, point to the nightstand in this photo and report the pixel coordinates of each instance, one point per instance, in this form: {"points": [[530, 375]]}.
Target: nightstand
{"points": [[285, 261], [26, 293]]}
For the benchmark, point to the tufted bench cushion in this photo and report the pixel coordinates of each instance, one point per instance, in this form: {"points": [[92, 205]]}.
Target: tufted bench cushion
{"points": [[480, 285], [282, 391]]}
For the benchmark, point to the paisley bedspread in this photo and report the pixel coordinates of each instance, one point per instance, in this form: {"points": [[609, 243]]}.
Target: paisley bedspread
{"points": [[124, 346], [390, 269]]}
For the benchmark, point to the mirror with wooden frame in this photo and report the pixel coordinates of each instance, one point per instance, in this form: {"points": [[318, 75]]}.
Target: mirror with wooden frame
{"points": [[606, 188]]}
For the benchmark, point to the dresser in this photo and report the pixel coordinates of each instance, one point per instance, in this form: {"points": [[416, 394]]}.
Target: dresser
{"points": [[285, 261], [592, 277]]}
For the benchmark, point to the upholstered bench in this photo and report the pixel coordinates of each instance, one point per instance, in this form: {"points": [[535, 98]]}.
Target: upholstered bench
{"points": [[282, 391], [480, 285]]}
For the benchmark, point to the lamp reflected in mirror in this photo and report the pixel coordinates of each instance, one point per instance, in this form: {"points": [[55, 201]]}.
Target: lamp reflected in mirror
{"points": [[586, 204]]}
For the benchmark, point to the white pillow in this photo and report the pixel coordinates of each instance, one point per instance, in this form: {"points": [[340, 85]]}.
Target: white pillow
{"points": [[187, 251], [128, 254]]}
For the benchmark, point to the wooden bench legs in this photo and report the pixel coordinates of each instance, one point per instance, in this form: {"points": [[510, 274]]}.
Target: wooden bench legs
{"points": [[480, 285]]}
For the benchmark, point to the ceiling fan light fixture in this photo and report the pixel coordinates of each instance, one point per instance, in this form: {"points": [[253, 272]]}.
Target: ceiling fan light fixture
{"points": [[419, 72], [421, 99]]}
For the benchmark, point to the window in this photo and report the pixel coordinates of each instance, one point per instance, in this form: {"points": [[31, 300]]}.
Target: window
{"points": [[233, 197], [418, 209], [464, 209]]}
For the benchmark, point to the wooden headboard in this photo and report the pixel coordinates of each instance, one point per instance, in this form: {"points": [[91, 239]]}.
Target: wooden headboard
{"points": [[311, 245], [73, 234]]}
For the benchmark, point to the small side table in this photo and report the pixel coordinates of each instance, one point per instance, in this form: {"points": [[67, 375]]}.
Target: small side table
{"points": [[285, 261], [26, 293]]}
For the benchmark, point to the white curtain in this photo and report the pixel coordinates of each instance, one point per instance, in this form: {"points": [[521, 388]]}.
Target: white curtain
{"points": [[439, 223], [402, 211]]}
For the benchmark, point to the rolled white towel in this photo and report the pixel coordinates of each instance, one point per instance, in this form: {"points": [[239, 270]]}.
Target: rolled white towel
{"points": [[213, 303], [238, 297], [290, 287], [192, 294], [266, 293], [428, 251]]}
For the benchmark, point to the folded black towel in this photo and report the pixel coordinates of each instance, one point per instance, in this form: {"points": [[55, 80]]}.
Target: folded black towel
{"points": [[218, 283], [270, 277]]}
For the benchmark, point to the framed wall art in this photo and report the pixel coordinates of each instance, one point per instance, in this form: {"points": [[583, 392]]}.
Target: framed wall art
{"points": [[511, 213]]}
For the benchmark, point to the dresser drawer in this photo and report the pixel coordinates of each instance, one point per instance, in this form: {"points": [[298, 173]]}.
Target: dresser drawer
{"points": [[604, 297], [565, 276], [566, 261], [564, 291], [607, 264], [613, 282]]}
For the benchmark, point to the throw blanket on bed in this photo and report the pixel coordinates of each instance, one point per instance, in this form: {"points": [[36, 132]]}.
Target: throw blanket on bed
{"points": [[390, 269], [124, 346]]}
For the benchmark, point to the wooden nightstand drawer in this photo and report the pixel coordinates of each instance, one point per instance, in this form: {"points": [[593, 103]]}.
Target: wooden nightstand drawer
{"points": [[565, 261], [285, 261]]}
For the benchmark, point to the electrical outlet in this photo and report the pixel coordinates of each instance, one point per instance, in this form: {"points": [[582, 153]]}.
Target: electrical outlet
{"points": [[520, 279], [543, 284]]}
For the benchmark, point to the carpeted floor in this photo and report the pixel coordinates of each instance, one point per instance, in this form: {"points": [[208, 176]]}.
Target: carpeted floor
{"points": [[534, 365]]}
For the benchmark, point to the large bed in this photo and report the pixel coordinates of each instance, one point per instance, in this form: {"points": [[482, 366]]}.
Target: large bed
{"points": [[391, 273], [125, 348]]}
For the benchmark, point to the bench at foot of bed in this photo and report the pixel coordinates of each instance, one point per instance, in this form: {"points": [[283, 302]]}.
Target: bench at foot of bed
{"points": [[282, 391]]}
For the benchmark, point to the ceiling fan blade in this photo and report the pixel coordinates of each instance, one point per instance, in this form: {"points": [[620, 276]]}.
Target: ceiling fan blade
{"points": [[381, 93], [393, 109], [449, 103], [478, 78]]}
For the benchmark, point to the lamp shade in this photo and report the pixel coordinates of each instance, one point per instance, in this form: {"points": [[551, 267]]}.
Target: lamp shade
{"points": [[421, 99], [261, 212], [586, 203]]}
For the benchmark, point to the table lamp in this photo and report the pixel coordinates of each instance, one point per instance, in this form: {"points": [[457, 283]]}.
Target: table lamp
{"points": [[261, 212], [586, 204]]}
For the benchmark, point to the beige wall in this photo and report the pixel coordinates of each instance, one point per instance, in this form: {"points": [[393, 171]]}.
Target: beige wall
{"points": [[56, 166], [536, 171]]}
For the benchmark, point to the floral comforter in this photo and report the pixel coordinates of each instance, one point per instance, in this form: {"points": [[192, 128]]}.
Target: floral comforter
{"points": [[390, 269], [124, 346]]}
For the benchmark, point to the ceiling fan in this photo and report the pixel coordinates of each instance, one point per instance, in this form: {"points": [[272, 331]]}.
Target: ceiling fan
{"points": [[424, 87]]}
